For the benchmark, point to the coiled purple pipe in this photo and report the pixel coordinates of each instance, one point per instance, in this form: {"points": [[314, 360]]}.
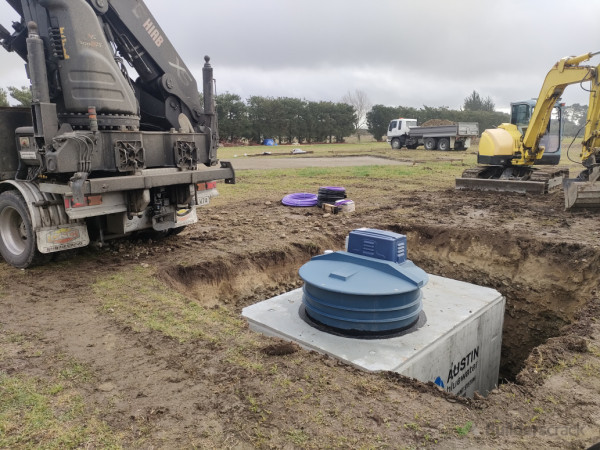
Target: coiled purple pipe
{"points": [[300, 199]]}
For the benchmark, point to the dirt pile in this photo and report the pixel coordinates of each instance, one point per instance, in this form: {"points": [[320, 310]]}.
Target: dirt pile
{"points": [[437, 123]]}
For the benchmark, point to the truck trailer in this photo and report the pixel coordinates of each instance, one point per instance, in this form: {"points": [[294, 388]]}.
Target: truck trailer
{"points": [[405, 133]]}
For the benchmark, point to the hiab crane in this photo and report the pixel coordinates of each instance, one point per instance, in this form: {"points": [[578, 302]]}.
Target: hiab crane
{"points": [[508, 153], [99, 154]]}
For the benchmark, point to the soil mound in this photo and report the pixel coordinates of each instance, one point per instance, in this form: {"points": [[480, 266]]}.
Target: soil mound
{"points": [[437, 123]]}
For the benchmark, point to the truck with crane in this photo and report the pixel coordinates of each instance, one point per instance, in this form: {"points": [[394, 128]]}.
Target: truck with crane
{"points": [[99, 154]]}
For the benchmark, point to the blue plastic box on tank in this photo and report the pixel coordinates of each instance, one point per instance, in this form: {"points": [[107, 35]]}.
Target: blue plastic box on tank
{"points": [[378, 244], [352, 292]]}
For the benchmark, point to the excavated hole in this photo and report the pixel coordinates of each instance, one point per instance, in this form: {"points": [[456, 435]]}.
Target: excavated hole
{"points": [[244, 279], [545, 284]]}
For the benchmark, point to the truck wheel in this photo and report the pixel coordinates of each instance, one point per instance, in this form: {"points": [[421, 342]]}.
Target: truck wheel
{"points": [[17, 239], [396, 144], [429, 143], [443, 144]]}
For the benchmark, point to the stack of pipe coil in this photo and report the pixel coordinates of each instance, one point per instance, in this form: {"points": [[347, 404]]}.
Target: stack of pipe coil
{"points": [[330, 194]]}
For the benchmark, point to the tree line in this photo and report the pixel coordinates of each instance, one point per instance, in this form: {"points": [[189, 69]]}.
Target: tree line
{"points": [[284, 118], [575, 117]]}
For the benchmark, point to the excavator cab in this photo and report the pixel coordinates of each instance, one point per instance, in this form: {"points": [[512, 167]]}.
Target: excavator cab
{"points": [[520, 115]]}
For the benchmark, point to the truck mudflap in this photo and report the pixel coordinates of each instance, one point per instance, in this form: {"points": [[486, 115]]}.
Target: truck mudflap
{"points": [[54, 230], [62, 237], [45, 208]]}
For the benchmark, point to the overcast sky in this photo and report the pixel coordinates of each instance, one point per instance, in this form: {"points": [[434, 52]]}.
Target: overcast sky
{"points": [[410, 53]]}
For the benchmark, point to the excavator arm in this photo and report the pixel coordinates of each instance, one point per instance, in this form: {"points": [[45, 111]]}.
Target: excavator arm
{"points": [[564, 73], [591, 138], [584, 191]]}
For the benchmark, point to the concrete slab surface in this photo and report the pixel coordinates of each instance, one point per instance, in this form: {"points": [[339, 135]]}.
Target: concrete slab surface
{"points": [[461, 339]]}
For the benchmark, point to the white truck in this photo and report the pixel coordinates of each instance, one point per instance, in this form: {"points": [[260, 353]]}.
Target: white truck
{"points": [[405, 133]]}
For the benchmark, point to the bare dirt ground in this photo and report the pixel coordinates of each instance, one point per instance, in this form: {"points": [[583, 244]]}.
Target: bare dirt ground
{"points": [[207, 381]]}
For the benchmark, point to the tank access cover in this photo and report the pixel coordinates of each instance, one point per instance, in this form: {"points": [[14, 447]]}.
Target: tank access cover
{"points": [[359, 294]]}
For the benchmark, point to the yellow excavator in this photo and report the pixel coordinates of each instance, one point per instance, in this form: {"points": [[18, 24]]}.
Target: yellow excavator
{"points": [[508, 153]]}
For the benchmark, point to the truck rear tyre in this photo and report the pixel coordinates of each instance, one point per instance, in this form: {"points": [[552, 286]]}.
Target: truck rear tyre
{"points": [[443, 144], [429, 143], [17, 239], [396, 144]]}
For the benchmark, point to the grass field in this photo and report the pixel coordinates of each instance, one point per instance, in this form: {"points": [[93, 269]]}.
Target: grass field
{"points": [[429, 170]]}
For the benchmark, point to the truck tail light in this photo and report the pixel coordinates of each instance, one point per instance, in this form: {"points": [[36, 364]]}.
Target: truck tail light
{"points": [[206, 186]]}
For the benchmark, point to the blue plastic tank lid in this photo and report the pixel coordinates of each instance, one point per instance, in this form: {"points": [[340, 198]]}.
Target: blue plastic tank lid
{"points": [[348, 273]]}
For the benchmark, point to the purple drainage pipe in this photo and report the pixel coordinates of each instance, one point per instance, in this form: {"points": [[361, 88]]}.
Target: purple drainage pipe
{"points": [[300, 199]]}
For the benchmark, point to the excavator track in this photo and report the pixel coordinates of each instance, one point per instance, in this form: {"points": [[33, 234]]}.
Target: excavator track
{"points": [[531, 181]]}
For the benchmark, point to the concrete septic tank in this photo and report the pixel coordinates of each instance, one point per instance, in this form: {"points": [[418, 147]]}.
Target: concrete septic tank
{"points": [[454, 342]]}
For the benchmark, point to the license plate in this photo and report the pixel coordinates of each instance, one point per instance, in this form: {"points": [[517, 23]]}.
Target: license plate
{"points": [[204, 200]]}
